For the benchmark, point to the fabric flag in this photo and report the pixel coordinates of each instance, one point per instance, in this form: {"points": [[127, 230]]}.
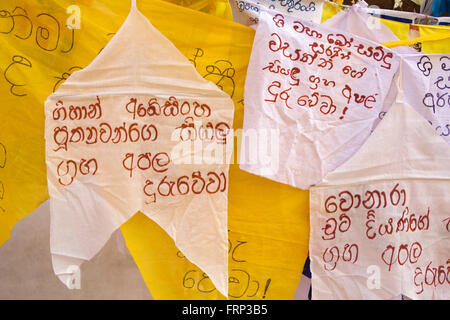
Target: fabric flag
{"points": [[380, 223], [312, 97], [139, 130], [440, 44]]}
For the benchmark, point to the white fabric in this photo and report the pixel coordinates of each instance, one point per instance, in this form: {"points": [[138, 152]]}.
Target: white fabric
{"points": [[398, 182], [246, 12], [426, 87], [358, 21], [319, 122], [142, 166]]}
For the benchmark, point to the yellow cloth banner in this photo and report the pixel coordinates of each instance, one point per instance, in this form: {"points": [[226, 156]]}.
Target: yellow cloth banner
{"points": [[400, 29], [268, 222]]}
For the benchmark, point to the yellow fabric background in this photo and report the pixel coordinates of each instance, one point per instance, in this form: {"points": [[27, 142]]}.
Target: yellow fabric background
{"points": [[268, 222]]}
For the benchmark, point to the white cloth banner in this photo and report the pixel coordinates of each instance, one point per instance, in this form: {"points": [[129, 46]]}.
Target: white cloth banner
{"points": [[139, 130], [380, 223], [312, 98]]}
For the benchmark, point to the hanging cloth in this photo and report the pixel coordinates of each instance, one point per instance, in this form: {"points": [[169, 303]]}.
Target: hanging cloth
{"points": [[380, 223], [139, 130], [315, 93]]}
